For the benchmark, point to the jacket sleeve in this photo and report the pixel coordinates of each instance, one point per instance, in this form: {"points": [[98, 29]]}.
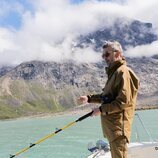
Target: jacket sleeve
{"points": [[94, 98], [123, 90]]}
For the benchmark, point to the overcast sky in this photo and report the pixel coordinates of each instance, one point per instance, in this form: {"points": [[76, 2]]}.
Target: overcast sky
{"points": [[45, 29]]}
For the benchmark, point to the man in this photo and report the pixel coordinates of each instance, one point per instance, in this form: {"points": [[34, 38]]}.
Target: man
{"points": [[118, 100]]}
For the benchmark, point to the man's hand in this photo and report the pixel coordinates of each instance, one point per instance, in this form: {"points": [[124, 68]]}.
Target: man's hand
{"points": [[83, 100], [96, 111]]}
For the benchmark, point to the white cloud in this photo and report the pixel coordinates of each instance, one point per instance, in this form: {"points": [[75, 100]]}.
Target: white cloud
{"points": [[48, 33], [86, 55], [7, 7], [143, 50], [5, 40]]}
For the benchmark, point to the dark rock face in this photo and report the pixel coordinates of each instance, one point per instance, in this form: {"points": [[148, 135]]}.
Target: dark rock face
{"points": [[4, 70], [27, 71], [133, 33]]}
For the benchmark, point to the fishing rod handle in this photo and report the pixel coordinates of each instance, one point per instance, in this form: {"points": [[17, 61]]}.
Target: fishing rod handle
{"points": [[85, 116]]}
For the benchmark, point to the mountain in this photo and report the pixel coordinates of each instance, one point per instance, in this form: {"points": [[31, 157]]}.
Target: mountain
{"points": [[37, 87], [127, 32], [4, 70], [41, 87]]}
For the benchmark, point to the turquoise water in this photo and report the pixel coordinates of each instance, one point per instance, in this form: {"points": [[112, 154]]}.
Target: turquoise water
{"points": [[70, 143]]}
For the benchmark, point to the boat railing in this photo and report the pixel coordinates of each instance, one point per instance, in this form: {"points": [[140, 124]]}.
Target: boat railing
{"points": [[145, 129]]}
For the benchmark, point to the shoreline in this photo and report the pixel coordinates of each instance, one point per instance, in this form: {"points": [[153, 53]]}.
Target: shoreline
{"points": [[81, 110], [69, 112]]}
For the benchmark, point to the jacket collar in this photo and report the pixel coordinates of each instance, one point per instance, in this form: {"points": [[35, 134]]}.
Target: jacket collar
{"points": [[114, 66]]}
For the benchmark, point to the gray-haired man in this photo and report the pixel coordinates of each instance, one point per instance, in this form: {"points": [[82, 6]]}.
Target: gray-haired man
{"points": [[117, 100]]}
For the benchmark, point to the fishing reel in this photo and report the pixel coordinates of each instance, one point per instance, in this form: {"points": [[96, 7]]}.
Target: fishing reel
{"points": [[100, 145]]}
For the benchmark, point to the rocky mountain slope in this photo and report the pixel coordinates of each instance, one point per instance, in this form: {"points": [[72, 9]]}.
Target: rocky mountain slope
{"points": [[127, 32], [39, 87]]}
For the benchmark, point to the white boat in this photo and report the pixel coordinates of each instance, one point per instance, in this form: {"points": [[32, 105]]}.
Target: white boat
{"points": [[135, 150]]}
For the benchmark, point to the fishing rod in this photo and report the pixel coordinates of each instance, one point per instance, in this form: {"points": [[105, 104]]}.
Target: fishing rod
{"points": [[51, 135]]}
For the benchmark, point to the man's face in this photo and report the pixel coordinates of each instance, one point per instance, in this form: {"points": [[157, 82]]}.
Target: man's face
{"points": [[108, 55]]}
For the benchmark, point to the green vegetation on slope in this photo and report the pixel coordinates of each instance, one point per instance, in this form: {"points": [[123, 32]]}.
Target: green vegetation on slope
{"points": [[31, 98]]}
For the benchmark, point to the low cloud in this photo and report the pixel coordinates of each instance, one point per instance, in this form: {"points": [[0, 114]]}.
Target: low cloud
{"points": [[48, 33], [143, 50]]}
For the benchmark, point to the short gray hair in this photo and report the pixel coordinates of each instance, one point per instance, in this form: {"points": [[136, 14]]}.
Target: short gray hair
{"points": [[116, 46]]}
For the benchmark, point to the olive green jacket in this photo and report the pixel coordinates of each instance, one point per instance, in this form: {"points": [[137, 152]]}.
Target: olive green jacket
{"points": [[118, 110]]}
